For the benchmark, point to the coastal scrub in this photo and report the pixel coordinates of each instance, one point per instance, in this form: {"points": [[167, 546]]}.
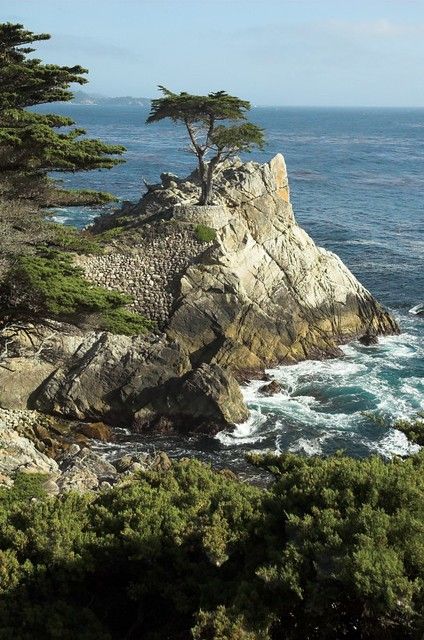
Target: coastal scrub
{"points": [[333, 549]]}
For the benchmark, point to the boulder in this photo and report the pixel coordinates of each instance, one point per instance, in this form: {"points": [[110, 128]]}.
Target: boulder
{"points": [[85, 471], [368, 339], [96, 431], [111, 379], [271, 388], [19, 454], [206, 399]]}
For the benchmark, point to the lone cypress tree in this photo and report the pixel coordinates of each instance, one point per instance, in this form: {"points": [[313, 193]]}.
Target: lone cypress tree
{"points": [[32, 143], [211, 142]]}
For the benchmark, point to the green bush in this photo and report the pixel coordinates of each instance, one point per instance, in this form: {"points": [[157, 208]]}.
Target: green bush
{"points": [[110, 234], [124, 322], [72, 239], [56, 197], [413, 429], [49, 284], [334, 549], [204, 233]]}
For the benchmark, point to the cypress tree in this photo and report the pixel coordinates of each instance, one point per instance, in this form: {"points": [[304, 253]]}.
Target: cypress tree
{"points": [[33, 143]]}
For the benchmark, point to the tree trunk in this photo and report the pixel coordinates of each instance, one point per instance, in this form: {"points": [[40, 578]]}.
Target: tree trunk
{"points": [[208, 187], [203, 181], [207, 181]]}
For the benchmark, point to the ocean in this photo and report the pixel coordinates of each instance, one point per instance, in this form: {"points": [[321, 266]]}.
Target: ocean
{"points": [[357, 187]]}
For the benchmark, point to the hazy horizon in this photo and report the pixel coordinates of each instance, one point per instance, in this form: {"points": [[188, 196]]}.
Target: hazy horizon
{"points": [[85, 89], [309, 53]]}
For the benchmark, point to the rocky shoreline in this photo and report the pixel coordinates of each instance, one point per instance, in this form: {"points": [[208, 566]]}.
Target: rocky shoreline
{"points": [[256, 293], [31, 442]]}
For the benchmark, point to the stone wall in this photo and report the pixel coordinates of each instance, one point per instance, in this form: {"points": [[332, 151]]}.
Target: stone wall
{"points": [[214, 216], [149, 271]]}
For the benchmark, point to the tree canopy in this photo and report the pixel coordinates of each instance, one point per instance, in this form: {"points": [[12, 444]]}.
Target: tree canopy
{"points": [[216, 129], [33, 143]]}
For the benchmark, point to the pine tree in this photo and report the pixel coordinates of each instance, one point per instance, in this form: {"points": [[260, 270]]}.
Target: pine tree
{"points": [[32, 143], [212, 143]]}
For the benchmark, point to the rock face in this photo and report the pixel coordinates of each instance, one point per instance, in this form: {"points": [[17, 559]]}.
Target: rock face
{"points": [[145, 380], [265, 293]]}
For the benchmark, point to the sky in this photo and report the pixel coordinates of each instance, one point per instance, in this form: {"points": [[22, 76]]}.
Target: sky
{"points": [[285, 52]]}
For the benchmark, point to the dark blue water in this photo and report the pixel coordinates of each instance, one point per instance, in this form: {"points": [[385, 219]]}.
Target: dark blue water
{"points": [[357, 183]]}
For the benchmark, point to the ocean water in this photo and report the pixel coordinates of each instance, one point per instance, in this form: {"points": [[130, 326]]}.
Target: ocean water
{"points": [[357, 186]]}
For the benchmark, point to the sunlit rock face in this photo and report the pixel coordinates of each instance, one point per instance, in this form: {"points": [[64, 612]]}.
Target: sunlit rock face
{"points": [[265, 293]]}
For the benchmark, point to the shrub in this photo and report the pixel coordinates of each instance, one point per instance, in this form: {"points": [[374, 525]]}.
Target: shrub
{"points": [[334, 549], [125, 322], [72, 239], [56, 197], [110, 234], [204, 233], [49, 284], [413, 429]]}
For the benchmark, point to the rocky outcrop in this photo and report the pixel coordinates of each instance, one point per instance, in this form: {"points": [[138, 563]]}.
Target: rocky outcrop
{"points": [[265, 293], [205, 395], [142, 381], [259, 294]]}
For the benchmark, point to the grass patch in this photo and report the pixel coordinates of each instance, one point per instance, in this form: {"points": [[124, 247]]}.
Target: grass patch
{"points": [[205, 233], [72, 239]]}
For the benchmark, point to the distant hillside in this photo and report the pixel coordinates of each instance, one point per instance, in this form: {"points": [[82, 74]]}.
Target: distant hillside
{"points": [[81, 97]]}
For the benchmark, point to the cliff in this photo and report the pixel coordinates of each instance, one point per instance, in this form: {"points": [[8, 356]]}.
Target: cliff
{"points": [[265, 293], [258, 293]]}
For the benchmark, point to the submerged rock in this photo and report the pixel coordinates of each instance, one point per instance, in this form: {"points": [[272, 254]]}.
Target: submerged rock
{"points": [[368, 339], [271, 388]]}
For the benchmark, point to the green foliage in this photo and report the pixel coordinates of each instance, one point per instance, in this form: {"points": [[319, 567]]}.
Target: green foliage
{"points": [[32, 143], [49, 284], [237, 138], [205, 233], [219, 625], [77, 197], [125, 322], [72, 239], [334, 549], [413, 429], [26, 487], [201, 115], [110, 234], [347, 539]]}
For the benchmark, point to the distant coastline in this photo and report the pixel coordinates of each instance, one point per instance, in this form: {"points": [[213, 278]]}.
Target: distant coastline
{"points": [[81, 97]]}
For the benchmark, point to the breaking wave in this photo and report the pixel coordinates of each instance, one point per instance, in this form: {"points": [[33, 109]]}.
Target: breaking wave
{"points": [[326, 406]]}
